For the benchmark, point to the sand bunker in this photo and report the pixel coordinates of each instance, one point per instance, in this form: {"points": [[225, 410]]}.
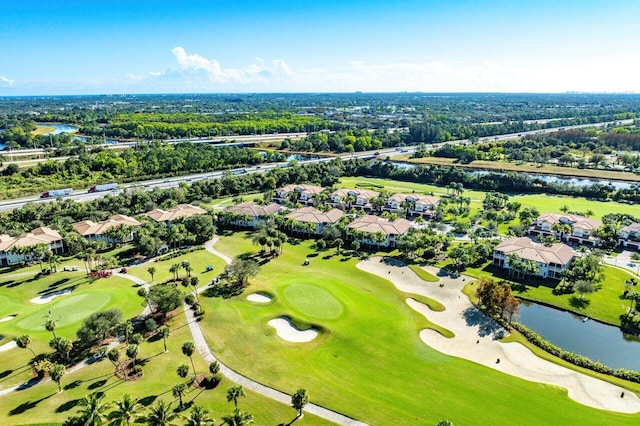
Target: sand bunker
{"points": [[41, 300], [482, 347], [290, 333], [258, 298], [7, 318], [10, 345]]}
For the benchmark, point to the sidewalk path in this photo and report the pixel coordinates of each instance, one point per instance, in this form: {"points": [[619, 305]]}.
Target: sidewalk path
{"points": [[475, 339]]}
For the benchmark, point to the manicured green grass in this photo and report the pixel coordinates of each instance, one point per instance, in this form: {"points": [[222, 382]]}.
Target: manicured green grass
{"points": [[199, 260], [370, 363], [313, 301], [424, 275], [41, 130], [42, 404]]}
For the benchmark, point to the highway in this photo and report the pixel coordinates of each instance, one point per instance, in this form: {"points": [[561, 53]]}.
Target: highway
{"points": [[83, 195]]}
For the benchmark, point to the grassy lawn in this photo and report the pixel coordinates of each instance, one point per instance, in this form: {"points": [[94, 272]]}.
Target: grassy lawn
{"points": [[42, 404], [424, 275], [199, 260], [368, 362], [504, 166], [41, 130]]}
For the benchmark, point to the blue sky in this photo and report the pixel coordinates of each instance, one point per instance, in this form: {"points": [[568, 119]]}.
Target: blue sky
{"points": [[213, 46]]}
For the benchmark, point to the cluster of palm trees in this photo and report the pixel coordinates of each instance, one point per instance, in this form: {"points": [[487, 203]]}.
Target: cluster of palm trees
{"points": [[40, 253], [175, 269], [269, 236]]}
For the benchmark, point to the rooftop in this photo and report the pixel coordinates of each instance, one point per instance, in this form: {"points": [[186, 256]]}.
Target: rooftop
{"points": [[252, 209], [88, 227], [182, 210], [313, 215], [525, 248], [374, 224]]}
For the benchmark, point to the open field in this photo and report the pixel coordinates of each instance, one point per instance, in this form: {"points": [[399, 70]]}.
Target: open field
{"points": [[198, 260], [41, 130], [547, 169], [367, 357]]}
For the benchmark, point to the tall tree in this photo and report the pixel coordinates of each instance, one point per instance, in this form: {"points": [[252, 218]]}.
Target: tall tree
{"points": [[199, 416], [152, 271], [178, 391], [56, 373], [299, 400], [164, 332], [234, 393], [188, 348], [94, 409], [238, 418], [126, 411], [161, 414], [23, 342]]}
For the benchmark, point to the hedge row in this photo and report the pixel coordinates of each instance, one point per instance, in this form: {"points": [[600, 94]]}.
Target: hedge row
{"points": [[575, 359]]}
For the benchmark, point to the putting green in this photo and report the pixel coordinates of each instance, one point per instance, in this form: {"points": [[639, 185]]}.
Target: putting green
{"points": [[73, 309], [313, 301]]}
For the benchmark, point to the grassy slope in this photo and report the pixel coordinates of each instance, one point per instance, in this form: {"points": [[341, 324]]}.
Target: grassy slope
{"points": [[370, 363]]}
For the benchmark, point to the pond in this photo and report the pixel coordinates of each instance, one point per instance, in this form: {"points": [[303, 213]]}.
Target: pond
{"points": [[59, 128], [600, 342]]}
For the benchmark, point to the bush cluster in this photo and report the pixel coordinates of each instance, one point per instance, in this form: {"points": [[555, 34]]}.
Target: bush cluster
{"points": [[179, 253]]}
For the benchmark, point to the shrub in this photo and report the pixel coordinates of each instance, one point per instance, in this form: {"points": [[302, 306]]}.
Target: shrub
{"points": [[150, 325], [42, 367], [190, 299]]}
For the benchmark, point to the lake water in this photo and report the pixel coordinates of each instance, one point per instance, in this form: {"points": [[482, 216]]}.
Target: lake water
{"points": [[600, 342], [59, 128], [618, 184]]}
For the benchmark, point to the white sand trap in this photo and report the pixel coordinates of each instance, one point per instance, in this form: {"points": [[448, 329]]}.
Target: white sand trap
{"points": [[258, 298], [10, 345], [41, 300], [290, 333], [7, 318], [480, 346]]}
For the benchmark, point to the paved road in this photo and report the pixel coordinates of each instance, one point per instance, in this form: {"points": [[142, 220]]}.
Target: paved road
{"points": [[82, 195]]}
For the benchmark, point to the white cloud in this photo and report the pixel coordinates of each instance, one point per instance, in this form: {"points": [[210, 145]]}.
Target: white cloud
{"points": [[256, 73], [7, 81], [148, 74]]}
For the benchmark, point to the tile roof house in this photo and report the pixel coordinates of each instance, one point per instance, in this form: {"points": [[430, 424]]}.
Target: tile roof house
{"points": [[377, 231], [362, 198], [250, 214], [551, 260], [41, 235], [581, 227], [630, 236], [304, 192], [314, 218], [182, 210], [93, 231], [416, 204]]}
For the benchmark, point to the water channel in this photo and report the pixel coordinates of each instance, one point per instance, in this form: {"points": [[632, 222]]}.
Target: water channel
{"points": [[600, 342], [618, 184]]}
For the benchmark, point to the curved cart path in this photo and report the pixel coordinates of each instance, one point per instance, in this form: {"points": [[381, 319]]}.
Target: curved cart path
{"points": [[475, 339], [207, 355]]}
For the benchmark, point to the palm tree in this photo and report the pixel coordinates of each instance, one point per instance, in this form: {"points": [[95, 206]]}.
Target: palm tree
{"points": [[188, 348], [161, 415], [132, 353], [50, 325], [56, 373], [178, 391], [194, 283], [94, 411], [114, 355], [151, 270], [183, 370], [199, 416], [187, 267], [127, 329], [175, 270], [126, 411], [54, 262], [164, 332], [65, 345], [23, 342], [234, 393], [238, 418]]}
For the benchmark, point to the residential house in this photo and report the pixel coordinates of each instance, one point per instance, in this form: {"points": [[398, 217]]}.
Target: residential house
{"points": [[41, 235], [579, 228], [550, 260], [414, 204], [99, 231], [250, 214], [168, 216], [630, 236], [317, 219], [377, 231], [348, 198], [304, 193]]}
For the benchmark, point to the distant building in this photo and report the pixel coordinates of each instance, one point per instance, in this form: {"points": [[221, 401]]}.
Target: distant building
{"points": [[316, 219], [168, 216], [630, 236], [249, 214], [580, 228], [304, 193], [42, 235], [99, 231], [348, 198], [551, 260], [377, 231], [414, 204]]}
